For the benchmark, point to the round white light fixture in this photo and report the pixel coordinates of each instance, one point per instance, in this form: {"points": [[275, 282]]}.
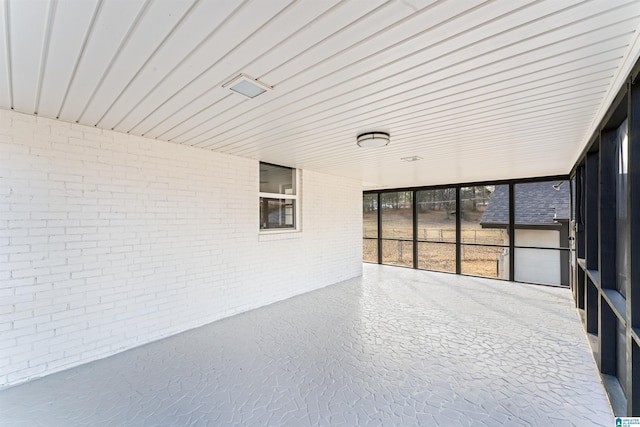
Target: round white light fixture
{"points": [[373, 139]]}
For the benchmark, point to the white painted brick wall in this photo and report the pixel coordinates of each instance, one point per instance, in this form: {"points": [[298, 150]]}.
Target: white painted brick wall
{"points": [[109, 241]]}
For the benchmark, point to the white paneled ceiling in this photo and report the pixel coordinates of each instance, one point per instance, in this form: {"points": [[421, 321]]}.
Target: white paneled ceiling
{"points": [[479, 89]]}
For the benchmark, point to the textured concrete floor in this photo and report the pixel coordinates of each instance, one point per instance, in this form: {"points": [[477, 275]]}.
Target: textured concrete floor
{"points": [[397, 347]]}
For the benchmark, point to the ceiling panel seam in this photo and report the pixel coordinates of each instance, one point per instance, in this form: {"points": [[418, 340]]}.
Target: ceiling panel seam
{"points": [[123, 43], [448, 77], [457, 128], [225, 97], [443, 145], [46, 43], [314, 116], [191, 54], [336, 7], [385, 65], [85, 43], [222, 58], [454, 129], [275, 85], [7, 49], [359, 42], [544, 82], [356, 119], [219, 83], [416, 123], [146, 62], [354, 63], [264, 106]]}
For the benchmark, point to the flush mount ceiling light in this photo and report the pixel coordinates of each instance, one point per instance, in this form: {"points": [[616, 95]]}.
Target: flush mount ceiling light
{"points": [[373, 139], [247, 86], [411, 159]]}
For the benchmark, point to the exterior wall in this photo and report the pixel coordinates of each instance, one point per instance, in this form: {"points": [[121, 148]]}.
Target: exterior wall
{"points": [[109, 241], [538, 265]]}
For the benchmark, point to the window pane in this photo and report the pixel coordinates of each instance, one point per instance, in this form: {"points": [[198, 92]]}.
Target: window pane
{"points": [[437, 256], [621, 209], [397, 215], [621, 354], [277, 179], [542, 266], [485, 214], [277, 213], [437, 215], [485, 261], [542, 214], [370, 215], [370, 250], [397, 252]]}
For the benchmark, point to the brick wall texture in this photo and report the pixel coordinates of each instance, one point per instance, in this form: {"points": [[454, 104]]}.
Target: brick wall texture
{"points": [[109, 241]]}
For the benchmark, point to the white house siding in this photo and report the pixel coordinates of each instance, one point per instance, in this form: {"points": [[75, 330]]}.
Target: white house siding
{"points": [[537, 265], [110, 241]]}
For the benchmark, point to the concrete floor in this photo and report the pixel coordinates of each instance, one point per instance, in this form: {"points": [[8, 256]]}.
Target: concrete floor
{"points": [[397, 347]]}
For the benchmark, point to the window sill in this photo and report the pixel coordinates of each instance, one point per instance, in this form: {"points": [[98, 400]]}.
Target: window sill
{"points": [[270, 235]]}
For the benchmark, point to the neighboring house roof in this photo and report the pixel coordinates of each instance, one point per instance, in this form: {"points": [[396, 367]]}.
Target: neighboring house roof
{"points": [[538, 204]]}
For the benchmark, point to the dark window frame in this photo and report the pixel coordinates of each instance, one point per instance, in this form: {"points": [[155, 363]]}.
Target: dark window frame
{"points": [[510, 226], [288, 211]]}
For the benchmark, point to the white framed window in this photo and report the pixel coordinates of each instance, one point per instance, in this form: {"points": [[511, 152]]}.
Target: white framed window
{"points": [[279, 207]]}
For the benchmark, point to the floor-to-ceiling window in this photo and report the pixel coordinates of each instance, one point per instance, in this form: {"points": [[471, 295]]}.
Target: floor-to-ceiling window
{"points": [[542, 232], [397, 228], [436, 229], [467, 229], [370, 228], [484, 218], [621, 172]]}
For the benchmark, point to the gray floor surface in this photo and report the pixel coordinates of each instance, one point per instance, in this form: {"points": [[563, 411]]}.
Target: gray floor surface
{"points": [[397, 347]]}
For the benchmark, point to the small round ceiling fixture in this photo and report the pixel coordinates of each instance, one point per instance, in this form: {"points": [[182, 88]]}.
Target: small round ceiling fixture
{"points": [[373, 139]]}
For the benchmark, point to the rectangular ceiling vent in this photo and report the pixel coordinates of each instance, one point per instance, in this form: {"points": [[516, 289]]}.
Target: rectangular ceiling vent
{"points": [[247, 86], [411, 159]]}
